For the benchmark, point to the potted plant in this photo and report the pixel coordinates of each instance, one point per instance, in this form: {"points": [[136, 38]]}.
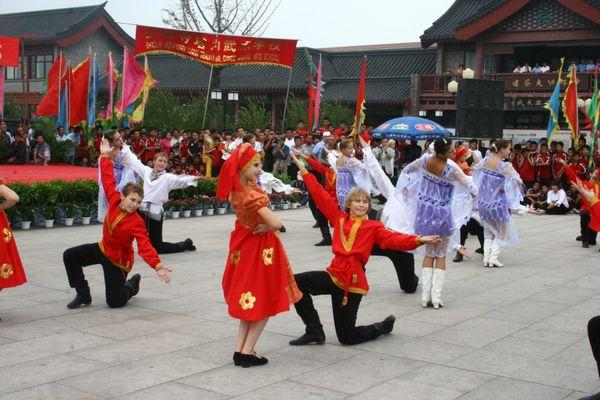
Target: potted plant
{"points": [[198, 206], [222, 207], [70, 209], [85, 213], [49, 213], [186, 210], [210, 206], [295, 198], [26, 215], [175, 207], [285, 202]]}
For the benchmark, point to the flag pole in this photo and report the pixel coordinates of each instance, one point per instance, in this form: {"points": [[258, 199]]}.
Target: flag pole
{"points": [[207, 95], [123, 86], [287, 94]]}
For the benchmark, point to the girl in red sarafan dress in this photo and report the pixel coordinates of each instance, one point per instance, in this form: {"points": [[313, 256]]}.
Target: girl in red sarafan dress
{"points": [[258, 281], [11, 269]]}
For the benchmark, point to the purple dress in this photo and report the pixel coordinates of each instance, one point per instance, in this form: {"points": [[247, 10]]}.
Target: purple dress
{"points": [[434, 207], [351, 175], [491, 201]]}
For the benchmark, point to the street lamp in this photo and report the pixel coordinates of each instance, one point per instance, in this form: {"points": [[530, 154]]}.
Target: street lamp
{"points": [[453, 86], [468, 74]]}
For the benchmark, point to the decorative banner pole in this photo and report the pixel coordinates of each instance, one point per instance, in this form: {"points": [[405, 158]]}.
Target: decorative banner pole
{"points": [[287, 93], [207, 96]]}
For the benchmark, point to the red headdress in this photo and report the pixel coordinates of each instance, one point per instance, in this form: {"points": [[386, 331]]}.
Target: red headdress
{"points": [[240, 159], [461, 151]]}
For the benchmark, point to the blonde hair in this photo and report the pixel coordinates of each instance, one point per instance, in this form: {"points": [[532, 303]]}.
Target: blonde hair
{"points": [[346, 143], [161, 155], [355, 194]]}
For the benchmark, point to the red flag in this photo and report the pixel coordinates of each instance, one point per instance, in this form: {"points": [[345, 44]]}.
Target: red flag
{"points": [[311, 103], [132, 82], [9, 51], [78, 102], [569, 106], [49, 104], [359, 114]]}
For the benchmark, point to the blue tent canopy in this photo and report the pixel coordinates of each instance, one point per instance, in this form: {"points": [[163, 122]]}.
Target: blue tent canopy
{"points": [[410, 128]]}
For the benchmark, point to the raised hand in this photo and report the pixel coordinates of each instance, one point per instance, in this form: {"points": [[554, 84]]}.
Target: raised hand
{"points": [[105, 147], [363, 144]]}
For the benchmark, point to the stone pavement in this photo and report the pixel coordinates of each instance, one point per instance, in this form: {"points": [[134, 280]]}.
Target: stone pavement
{"points": [[517, 332]]}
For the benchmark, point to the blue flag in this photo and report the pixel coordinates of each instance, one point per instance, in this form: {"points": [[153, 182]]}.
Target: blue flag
{"points": [[63, 115], [93, 93], [553, 105]]}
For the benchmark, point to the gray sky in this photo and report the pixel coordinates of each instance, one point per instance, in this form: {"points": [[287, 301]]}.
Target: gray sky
{"points": [[316, 23]]}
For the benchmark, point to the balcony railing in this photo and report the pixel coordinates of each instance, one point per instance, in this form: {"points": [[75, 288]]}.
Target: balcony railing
{"points": [[514, 84]]}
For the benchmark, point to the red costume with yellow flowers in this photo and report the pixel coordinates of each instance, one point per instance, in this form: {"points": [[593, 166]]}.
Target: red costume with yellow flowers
{"points": [[258, 281], [11, 269], [345, 279]]}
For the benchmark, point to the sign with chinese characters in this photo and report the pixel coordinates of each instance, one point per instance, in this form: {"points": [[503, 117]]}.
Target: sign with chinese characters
{"points": [[540, 82], [215, 50], [527, 103]]}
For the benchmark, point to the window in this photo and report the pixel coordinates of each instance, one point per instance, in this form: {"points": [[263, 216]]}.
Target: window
{"points": [[40, 65], [13, 73], [470, 60]]}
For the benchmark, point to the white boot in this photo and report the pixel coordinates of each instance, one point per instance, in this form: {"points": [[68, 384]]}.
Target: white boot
{"points": [[437, 286], [426, 274], [487, 249], [494, 262]]}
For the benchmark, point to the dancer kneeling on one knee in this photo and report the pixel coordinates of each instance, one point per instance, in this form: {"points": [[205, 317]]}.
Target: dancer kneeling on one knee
{"points": [[122, 224], [345, 281]]}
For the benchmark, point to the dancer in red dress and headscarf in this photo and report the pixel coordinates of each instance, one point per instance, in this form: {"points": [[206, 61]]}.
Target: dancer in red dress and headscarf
{"points": [[258, 282], [11, 269]]}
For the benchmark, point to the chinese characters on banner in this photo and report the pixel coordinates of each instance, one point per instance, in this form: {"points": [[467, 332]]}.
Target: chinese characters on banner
{"points": [[541, 83], [215, 50]]}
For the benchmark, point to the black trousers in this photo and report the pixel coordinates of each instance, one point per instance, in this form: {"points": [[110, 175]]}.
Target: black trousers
{"points": [[560, 210], [75, 258], [474, 228], [154, 229], [404, 264], [317, 283], [320, 218], [594, 337], [588, 235]]}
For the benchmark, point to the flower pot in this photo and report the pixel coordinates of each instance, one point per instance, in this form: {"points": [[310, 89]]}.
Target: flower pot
{"points": [[186, 213], [85, 220], [221, 210], [174, 214], [49, 223], [295, 205], [210, 211], [285, 206], [69, 221], [25, 225], [198, 213]]}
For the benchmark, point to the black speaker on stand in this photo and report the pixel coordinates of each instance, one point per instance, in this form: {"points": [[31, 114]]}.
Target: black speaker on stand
{"points": [[479, 108]]}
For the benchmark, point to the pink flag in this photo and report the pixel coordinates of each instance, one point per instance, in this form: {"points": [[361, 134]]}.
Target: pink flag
{"points": [[112, 80], [132, 82], [2, 91], [318, 96]]}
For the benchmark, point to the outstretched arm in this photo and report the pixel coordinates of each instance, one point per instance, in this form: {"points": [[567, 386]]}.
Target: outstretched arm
{"points": [[382, 182], [323, 200], [107, 174], [387, 239], [9, 196], [148, 252]]}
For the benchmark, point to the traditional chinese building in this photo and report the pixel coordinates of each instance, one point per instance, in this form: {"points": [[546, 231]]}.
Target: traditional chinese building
{"points": [[44, 34], [493, 37]]}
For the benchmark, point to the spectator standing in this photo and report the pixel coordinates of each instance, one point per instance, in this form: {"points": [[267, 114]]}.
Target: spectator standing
{"points": [[281, 157]]}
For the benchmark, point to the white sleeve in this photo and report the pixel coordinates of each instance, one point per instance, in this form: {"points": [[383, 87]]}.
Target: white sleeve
{"points": [[460, 177], [382, 182], [181, 181], [135, 164]]}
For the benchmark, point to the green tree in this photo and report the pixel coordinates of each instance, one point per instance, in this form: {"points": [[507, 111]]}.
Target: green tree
{"points": [[296, 111], [253, 115]]}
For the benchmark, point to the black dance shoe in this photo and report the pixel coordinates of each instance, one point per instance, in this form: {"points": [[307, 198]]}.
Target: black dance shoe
{"points": [[579, 238], [308, 338], [236, 358], [412, 287], [592, 397], [458, 258], [585, 245], [282, 229], [134, 284], [324, 242], [189, 244], [251, 360], [386, 326], [316, 225], [479, 250], [81, 299]]}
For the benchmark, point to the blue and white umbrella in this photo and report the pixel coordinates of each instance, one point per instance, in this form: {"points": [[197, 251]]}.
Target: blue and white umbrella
{"points": [[410, 128]]}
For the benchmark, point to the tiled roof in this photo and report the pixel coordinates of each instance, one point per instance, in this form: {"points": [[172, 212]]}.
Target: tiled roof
{"points": [[54, 24], [388, 74], [459, 14]]}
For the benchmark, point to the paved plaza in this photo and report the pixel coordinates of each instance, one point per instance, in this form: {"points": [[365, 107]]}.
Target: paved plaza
{"points": [[517, 332]]}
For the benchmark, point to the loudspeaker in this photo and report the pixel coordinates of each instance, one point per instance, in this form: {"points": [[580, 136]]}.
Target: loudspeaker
{"points": [[479, 108]]}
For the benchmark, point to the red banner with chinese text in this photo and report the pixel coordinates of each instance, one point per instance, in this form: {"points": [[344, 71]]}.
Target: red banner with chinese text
{"points": [[213, 49], [9, 51]]}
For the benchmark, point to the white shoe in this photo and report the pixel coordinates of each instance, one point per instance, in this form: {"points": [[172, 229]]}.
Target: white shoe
{"points": [[426, 278], [487, 249], [494, 262], [437, 286]]}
